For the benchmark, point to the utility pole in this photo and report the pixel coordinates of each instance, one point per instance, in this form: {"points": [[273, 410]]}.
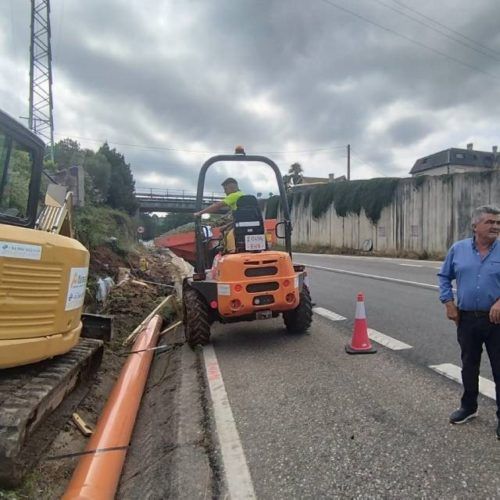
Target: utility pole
{"points": [[41, 120], [348, 162]]}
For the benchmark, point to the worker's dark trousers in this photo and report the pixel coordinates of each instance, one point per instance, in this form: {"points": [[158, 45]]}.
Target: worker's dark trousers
{"points": [[473, 331]]}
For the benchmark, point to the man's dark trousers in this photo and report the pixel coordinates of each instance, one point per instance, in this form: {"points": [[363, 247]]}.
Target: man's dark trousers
{"points": [[474, 329]]}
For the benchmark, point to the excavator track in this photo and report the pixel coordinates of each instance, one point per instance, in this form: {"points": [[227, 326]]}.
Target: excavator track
{"points": [[30, 394]]}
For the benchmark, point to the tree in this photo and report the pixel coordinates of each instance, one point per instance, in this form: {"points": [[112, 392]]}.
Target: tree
{"points": [[286, 181], [173, 220], [259, 195], [98, 170], [121, 191], [296, 172], [67, 153], [151, 224]]}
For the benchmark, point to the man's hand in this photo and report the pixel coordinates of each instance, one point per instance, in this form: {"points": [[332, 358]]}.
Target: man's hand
{"points": [[495, 313], [197, 214], [452, 311]]}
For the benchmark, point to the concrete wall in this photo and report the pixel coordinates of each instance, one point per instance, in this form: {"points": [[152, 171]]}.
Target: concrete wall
{"points": [[426, 216]]}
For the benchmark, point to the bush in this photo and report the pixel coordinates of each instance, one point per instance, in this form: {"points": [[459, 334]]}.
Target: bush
{"points": [[97, 225]]}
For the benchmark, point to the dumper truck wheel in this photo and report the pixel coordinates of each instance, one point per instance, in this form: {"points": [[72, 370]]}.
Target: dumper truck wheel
{"points": [[196, 323], [298, 320]]}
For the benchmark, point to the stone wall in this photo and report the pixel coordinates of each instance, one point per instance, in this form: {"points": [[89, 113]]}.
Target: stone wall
{"points": [[426, 215]]}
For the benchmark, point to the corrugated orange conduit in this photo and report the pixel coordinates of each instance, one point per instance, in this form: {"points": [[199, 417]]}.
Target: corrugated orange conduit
{"points": [[98, 472]]}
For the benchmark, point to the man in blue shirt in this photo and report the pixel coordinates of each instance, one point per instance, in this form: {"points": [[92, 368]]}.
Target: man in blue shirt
{"points": [[475, 265]]}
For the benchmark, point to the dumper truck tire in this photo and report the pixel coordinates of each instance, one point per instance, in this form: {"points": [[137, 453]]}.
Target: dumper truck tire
{"points": [[299, 320], [196, 321]]}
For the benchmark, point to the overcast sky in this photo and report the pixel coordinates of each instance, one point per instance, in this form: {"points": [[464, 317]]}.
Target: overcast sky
{"points": [[169, 83]]}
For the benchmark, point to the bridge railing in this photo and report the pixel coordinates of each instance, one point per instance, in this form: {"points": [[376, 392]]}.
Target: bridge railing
{"points": [[174, 194]]}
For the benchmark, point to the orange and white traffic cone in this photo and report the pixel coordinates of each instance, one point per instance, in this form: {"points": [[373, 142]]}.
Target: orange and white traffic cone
{"points": [[360, 343]]}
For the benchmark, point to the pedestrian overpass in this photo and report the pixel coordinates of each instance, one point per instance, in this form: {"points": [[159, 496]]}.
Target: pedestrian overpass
{"points": [[171, 200]]}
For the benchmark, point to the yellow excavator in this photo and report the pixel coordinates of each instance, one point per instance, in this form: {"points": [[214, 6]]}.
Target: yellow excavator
{"points": [[43, 277]]}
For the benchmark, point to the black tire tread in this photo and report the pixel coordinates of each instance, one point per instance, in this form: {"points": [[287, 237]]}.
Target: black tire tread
{"points": [[196, 321], [299, 319]]}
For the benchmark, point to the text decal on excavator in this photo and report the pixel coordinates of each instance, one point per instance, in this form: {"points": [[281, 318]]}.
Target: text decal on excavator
{"points": [[76, 287], [20, 250]]}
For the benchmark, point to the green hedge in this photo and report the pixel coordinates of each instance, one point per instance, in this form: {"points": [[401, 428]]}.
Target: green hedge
{"points": [[371, 195]]}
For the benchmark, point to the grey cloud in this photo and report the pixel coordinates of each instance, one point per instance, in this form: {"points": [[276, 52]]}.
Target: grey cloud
{"points": [[330, 72], [409, 130]]}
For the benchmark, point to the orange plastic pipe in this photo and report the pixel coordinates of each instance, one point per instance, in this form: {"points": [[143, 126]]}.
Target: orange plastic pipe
{"points": [[98, 472]]}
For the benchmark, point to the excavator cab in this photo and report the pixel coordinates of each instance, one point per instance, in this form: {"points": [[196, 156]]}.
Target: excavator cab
{"points": [[43, 274], [252, 282]]}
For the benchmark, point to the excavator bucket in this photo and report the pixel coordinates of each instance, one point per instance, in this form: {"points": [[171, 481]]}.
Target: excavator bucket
{"points": [[97, 326]]}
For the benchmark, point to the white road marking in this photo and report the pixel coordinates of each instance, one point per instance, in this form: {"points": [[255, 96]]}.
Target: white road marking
{"points": [[238, 479], [381, 338], [385, 340], [411, 265], [454, 372], [364, 257], [374, 276], [328, 314]]}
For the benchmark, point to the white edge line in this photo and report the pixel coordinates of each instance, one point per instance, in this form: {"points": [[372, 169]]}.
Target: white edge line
{"points": [[385, 340], [454, 372], [376, 277], [373, 276], [328, 314], [238, 479], [364, 257]]}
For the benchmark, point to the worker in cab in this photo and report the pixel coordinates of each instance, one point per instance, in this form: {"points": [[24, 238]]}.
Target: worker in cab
{"points": [[233, 194]]}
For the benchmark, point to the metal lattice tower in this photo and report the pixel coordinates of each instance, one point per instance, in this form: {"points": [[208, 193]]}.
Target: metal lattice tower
{"points": [[41, 120]]}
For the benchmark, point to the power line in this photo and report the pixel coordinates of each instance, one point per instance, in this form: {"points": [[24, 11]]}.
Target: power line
{"points": [[407, 38], [446, 27], [465, 44], [180, 150]]}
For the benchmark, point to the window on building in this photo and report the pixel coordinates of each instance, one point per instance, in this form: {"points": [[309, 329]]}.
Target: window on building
{"points": [[459, 156]]}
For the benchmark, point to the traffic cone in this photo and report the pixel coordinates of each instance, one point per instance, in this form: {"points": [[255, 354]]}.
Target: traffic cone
{"points": [[360, 343]]}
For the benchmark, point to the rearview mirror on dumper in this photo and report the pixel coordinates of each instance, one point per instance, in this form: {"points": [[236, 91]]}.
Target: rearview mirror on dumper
{"points": [[280, 230]]}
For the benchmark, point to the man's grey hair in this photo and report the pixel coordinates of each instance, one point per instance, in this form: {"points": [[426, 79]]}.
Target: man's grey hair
{"points": [[485, 209]]}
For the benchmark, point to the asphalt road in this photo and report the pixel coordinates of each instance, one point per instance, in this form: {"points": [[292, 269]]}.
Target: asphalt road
{"points": [[314, 422], [404, 311]]}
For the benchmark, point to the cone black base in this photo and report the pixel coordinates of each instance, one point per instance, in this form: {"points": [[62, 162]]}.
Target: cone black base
{"points": [[350, 350]]}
